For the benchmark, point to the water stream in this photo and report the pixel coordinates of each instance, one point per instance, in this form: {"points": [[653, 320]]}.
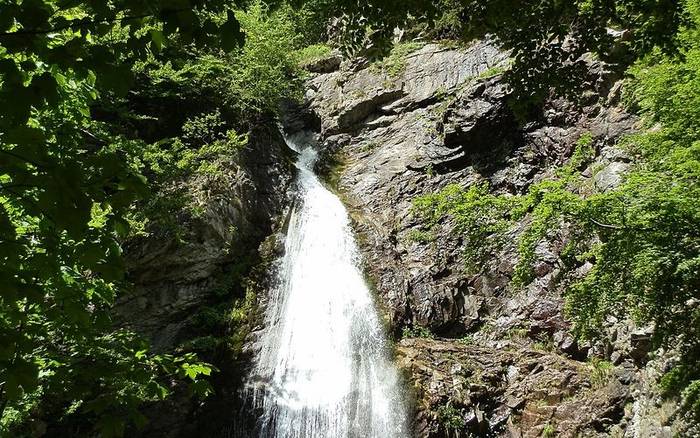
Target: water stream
{"points": [[324, 369]]}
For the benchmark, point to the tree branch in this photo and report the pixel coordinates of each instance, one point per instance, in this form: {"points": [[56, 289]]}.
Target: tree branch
{"points": [[82, 23], [610, 227]]}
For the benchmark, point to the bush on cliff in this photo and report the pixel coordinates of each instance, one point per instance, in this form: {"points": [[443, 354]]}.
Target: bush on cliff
{"points": [[646, 262]]}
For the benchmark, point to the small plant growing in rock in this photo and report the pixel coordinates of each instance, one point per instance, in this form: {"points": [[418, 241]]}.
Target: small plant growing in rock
{"points": [[420, 236], [466, 339], [369, 146], [395, 63], [544, 343], [450, 417], [313, 53], [491, 72], [441, 93], [549, 431], [417, 332], [601, 371], [517, 333]]}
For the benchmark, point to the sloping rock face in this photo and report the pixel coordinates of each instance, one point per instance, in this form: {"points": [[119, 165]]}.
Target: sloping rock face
{"points": [[221, 252], [443, 120], [173, 276]]}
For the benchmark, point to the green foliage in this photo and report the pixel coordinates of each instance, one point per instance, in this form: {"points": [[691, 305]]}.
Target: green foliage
{"points": [[601, 372], [219, 96], [313, 53], [491, 72], [517, 333], [477, 214], [450, 417], [466, 339], [420, 236], [417, 332], [549, 431], [240, 318], [647, 259], [73, 175], [369, 146], [483, 217], [311, 19], [395, 62], [266, 69], [546, 344]]}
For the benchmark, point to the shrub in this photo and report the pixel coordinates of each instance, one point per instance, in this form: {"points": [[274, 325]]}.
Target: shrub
{"points": [[601, 371], [450, 417]]}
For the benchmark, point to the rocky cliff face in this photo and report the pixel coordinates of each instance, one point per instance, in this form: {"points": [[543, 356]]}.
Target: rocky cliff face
{"points": [[503, 362], [176, 279], [173, 275]]}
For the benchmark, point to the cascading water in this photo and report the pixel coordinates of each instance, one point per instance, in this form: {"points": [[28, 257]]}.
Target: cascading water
{"points": [[324, 369]]}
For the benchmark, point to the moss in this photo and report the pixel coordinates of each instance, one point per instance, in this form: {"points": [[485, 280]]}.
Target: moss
{"points": [[395, 63], [332, 170], [313, 53]]}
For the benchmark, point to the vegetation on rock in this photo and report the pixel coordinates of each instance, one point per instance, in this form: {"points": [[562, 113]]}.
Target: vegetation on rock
{"points": [[110, 109], [641, 237]]}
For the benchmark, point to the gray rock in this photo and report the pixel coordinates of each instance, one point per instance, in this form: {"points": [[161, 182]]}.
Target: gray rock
{"points": [[172, 279], [326, 64], [438, 123], [640, 343], [610, 176]]}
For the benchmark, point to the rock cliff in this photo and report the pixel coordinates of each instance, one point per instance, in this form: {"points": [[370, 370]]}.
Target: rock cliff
{"points": [[500, 360], [184, 286]]}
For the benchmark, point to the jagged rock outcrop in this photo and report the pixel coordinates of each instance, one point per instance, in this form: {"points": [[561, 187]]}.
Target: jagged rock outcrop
{"points": [[511, 390], [445, 119]]}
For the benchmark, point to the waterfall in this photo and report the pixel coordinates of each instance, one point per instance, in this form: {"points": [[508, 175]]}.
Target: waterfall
{"points": [[324, 369]]}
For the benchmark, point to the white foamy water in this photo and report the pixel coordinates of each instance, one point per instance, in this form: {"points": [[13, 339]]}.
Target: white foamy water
{"points": [[324, 370]]}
